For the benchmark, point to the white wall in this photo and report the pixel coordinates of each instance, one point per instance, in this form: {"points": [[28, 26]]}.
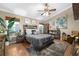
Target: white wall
{"points": [[73, 25]]}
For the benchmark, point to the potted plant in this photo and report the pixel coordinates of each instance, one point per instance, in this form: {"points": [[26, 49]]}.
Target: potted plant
{"points": [[7, 28], [6, 41]]}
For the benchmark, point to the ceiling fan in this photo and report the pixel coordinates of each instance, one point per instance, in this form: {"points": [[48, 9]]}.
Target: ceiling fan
{"points": [[46, 11]]}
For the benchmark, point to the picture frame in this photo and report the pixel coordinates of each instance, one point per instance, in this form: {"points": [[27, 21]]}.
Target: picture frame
{"points": [[61, 22]]}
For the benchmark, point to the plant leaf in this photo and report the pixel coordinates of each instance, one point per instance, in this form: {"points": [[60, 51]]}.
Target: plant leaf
{"points": [[2, 22], [11, 22]]}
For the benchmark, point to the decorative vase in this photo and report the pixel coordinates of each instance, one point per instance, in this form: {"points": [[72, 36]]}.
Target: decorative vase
{"points": [[7, 43]]}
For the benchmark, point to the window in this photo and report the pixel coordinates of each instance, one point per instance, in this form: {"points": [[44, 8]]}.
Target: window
{"points": [[16, 26]]}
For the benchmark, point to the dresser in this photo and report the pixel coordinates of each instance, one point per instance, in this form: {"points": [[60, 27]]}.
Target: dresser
{"points": [[55, 34]]}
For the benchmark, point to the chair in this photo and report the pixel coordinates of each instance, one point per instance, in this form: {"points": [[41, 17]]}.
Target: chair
{"points": [[70, 39]]}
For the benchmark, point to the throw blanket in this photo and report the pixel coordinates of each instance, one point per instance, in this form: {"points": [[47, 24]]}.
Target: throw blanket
{"points": [[38, 40]]}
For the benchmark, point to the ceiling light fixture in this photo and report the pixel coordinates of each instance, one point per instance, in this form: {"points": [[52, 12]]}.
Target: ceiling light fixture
{"points": [[46, 14], [46, 10]]}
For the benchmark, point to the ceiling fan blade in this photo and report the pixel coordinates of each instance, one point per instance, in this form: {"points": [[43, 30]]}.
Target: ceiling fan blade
{"points": [[42, 13], [52, 10]]}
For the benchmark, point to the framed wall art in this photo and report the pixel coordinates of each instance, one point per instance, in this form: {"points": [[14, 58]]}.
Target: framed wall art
{"points": [[61, 22]]}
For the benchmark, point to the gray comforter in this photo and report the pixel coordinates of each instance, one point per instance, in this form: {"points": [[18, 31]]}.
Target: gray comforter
{"points": [[38, 40]]}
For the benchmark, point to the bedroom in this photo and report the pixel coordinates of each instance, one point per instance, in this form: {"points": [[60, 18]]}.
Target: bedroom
{"points": [[40, 29]]}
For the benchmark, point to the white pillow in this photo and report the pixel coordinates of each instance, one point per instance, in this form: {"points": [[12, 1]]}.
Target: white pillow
{"points": [[29, 31]]}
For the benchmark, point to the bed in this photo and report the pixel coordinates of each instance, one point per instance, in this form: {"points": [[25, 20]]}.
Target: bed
{"points": [[39, 41]]}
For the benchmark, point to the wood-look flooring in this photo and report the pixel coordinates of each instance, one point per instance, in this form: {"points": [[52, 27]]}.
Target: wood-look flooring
{"points": [[18, 49]]}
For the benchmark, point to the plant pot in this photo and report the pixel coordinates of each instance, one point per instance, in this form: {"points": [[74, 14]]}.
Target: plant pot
{"points": [[7, 43]]}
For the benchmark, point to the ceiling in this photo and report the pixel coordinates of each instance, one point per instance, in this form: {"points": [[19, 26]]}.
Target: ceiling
{"points": [[30, 9]]}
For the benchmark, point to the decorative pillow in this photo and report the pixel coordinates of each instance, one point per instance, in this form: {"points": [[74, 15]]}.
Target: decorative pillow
{"points": [[28, 31]]}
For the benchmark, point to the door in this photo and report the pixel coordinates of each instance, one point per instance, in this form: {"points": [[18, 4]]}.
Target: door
{"points": [[46, 28]]}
